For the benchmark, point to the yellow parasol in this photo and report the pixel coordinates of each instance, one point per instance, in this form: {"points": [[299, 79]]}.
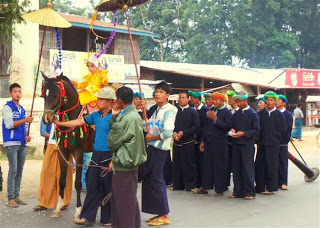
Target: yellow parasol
{"points": [[48, 18], [110, 5], [114, 5]]}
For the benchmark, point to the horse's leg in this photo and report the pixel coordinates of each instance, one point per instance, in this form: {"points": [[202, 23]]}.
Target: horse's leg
{"points": [[78, 155], [62, 185]]}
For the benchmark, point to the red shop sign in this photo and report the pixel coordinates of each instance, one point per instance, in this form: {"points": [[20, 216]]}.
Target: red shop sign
{"points": [[303, 78]]}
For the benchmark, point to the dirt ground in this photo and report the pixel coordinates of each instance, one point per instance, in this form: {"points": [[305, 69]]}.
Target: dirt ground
{"points": [[32, 168]]}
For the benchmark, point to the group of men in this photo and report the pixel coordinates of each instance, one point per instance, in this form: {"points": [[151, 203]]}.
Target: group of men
{"points": [[212, 141], [209, 142]]}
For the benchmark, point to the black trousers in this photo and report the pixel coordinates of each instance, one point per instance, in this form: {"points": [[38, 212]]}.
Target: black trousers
{"points": [[215, 165], [229, 163], [243, 170], [266, 168], [198, 158], [184, 175], [154, 191], [97, 189], [283, 165], [167, 169]]}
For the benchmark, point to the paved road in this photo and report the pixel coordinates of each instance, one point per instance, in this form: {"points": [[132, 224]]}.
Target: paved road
{"points": [[297, 207]]}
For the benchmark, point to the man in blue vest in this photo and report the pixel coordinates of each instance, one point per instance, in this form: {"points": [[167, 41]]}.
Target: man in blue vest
{"points": [[14, 142]]}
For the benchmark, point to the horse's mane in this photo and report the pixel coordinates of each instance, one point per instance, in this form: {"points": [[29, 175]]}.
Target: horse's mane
{"points": [[67, 80]]}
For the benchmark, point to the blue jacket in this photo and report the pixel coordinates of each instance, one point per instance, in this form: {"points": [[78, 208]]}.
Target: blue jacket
{"points": [[19, 133]]}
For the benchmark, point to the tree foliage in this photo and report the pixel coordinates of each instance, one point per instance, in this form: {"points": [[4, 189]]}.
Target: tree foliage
{"points": [[262, 33], [10, 14]]}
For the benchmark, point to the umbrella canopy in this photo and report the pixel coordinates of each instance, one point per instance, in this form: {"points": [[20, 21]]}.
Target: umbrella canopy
{"points": [[111, 5], [47, 17]]}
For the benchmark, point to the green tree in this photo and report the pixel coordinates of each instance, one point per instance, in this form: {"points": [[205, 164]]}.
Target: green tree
{"points": [[305, 22], [10, 14], [64, 6]]}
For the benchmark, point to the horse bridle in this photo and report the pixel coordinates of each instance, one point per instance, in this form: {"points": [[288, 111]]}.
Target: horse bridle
{"points": [[56, 111]]}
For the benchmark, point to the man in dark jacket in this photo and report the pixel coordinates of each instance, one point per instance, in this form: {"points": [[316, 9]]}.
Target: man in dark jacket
{"points": [[215, 154], [272, 130], [184, 164], [245, 127], [195, 100], [283, 158]]}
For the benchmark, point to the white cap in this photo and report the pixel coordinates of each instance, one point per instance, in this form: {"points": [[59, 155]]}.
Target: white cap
{"points": [[94, 60]]}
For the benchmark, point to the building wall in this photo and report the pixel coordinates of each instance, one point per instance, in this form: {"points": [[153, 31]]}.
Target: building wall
{"points": [[122, 47], [25, 54], [147, 74], [5, 52]]}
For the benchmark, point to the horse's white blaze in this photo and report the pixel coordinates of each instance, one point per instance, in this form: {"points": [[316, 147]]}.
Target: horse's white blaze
{"points": [[47, 92], [78, 212], [59, 205]]}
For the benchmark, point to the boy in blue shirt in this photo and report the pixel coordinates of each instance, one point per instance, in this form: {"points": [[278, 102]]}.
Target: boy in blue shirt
{"points": [[14, 142]]}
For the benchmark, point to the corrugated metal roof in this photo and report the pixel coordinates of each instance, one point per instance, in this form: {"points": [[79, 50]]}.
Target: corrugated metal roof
{"points": [[83, 22], [259, 77]]}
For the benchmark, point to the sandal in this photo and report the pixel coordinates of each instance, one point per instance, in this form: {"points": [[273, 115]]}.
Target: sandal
{"points": [[105, 224], [200, 191], [284, 187], [219, 194], [249, 197], [151, 219], [39, 208], [232, 196], [12, 204], [159, 222], [267, 193], [20, 202], [82, 221]]}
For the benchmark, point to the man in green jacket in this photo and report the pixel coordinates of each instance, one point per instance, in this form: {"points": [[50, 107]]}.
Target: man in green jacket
{"points": [[126, 142]]}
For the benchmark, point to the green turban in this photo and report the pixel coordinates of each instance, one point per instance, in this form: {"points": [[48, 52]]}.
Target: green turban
{"points": [[272, 95]]}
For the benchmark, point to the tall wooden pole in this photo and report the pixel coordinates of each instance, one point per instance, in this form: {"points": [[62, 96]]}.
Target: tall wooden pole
{"points": [[136, 67]]}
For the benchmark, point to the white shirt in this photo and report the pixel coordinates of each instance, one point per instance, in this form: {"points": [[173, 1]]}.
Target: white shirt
{"points": [[233, 111], [283, 109], [199, 107], [274, 108], [183, 108], [246, 108]]}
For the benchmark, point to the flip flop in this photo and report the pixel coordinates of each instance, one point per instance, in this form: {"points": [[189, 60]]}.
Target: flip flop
{"points": [[21, 202], [12, 204], [39, 208], [106, 224], [284, 187], [159, 222], [249, 197], [83, 221], [268, 193], [200, 191], [232, 196], [219, 194], [151, 219]]}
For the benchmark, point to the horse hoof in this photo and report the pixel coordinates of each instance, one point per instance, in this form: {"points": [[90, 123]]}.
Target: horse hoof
{"points": [[55, 215]]}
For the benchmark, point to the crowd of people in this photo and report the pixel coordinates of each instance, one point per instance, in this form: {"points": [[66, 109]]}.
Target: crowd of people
{"points": [[210, 143]]}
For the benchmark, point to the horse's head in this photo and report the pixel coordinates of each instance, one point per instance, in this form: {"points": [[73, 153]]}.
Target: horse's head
{"points": [[51, 93]]}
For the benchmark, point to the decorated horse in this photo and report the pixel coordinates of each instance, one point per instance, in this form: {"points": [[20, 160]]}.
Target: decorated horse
{"points": [[61, 99]]}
